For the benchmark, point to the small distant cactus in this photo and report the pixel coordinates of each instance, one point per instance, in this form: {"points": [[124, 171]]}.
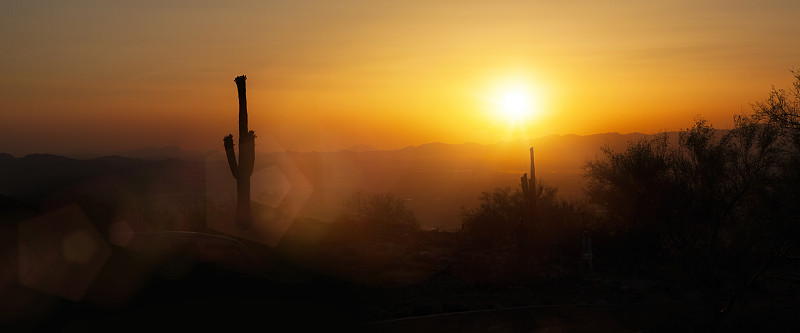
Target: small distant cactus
{"points": [[242, 171], [529, 190]]}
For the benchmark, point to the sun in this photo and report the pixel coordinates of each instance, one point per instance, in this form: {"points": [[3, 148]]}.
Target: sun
{"points": [[514, 103]]}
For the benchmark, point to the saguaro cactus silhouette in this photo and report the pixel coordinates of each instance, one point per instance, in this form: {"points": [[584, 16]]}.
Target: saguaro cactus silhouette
{"points": [[529, 190], [242, 171]]}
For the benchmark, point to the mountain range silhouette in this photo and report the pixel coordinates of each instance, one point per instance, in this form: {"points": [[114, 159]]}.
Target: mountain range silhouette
{"points": [[436, 179]]}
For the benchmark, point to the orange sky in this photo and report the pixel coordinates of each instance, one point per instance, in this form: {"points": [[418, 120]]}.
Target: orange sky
{"points": [[322, 75]]}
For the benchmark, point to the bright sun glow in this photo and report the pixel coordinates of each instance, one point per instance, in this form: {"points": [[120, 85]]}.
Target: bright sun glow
{"points": [[515, 102], [514, 105]]}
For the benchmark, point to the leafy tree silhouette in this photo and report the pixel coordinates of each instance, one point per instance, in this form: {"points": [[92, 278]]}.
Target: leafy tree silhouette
{"points": [[782, 108], [712, 200]]}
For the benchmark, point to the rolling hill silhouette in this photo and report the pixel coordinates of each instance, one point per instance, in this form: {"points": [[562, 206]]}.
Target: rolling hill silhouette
{"points": [[435, 179]]}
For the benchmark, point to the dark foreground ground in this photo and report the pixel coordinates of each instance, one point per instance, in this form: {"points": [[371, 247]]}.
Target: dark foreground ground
{"points": [[210, 298], [425, 284]]}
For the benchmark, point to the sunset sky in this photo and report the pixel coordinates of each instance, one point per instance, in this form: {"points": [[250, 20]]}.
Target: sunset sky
{"points": [[98, 75]]}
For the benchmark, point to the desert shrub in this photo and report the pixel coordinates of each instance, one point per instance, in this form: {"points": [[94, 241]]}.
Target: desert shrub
{"points": [[378, 210], [504, 218], [698, 194], [715, 200], [492, 222]]}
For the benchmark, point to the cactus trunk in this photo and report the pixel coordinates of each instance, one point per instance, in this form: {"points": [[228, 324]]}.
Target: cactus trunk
{"points": [[242, 170], [529, 191], [532, 186]]}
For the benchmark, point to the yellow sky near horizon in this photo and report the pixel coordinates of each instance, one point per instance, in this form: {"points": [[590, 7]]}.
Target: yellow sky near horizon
{"points": [[326, 75]]}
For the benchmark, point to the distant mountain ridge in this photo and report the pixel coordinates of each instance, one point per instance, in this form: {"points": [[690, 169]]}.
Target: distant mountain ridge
{"points": [[147, 153], [32, 177], [435, 179], [361, 148], [175, 152]]}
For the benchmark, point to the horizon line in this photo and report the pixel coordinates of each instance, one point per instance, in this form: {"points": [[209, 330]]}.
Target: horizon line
{"points": [[83, 154]]}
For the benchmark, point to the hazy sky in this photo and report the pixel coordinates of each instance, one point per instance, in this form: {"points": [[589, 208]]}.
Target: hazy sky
{"points": [[322, 75]]}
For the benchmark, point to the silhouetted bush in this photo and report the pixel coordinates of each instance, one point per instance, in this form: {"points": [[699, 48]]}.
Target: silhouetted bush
{"points": [[782, 108], [632, 189], [496, 221], [722, 202], [381, 210], [700, 194], [492, 222]]}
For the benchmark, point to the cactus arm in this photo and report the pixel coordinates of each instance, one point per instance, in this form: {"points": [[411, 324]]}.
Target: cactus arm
{"points": [[228, 142], [524, 181]]}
